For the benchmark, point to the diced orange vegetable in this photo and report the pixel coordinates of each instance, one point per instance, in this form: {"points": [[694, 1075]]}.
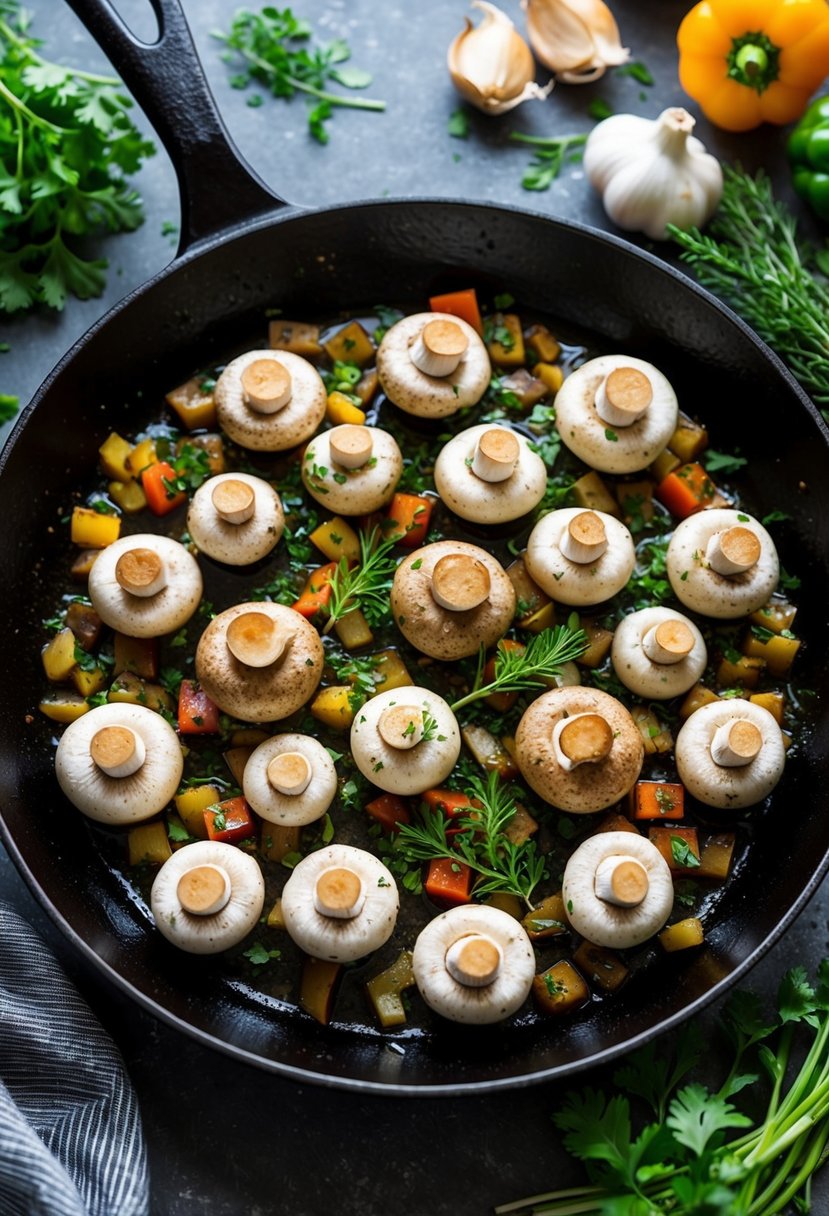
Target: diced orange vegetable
{"points": [[463, 304], [231, 821], [114, 452], [716, 855], [777, 652], [601, 967], [774, 702], [92, 529], [451, 802], [542, 343], [550, 374], [683, 935], [332, 706], [160, 499], [389, 810], [141, 457], [351, 344], [316, 990], [317, 591], [560, 989], [664, 839], [341, 410], [547, 919], [448, 883], [696, 698], [299, 337], [409, 514], [744, 671], [778, 614], [58, 655], [197, 714], [657, 800], [687, 490], [193, 402]]}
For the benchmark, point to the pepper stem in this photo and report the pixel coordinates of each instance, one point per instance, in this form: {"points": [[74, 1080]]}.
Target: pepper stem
{"points": [[754, 61]]}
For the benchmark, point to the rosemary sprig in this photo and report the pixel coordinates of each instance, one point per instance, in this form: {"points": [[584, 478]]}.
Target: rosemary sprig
{"points": [[520, 671], [480, 841], [366, 585]]}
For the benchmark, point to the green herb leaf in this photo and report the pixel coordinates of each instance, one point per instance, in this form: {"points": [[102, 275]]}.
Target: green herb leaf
{"points": [[548, 157], [720, 462], [458, 125]]}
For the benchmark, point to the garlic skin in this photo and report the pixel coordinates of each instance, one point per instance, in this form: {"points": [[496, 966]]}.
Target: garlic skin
{"points": [[491, 65], [577, 39], [653, 172]]}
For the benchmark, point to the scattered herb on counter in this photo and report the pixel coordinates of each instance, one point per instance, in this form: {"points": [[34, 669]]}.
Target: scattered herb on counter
{"points": [[638, 71], [751, 257], [548, 157], [9, 405], [276, 50], [599, 109], [67, 145], [687, 1159], [458, 125]]}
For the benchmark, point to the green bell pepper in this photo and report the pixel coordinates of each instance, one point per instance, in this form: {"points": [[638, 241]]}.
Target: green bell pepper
{"points": [[809, 156]]}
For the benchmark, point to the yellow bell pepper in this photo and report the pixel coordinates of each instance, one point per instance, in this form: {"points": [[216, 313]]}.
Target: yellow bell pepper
{"points": [[746, 62]]}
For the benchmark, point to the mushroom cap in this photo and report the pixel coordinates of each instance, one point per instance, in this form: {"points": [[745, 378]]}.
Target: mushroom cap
{"points": [[655, 681], [153, 615], [292, 810], [286, 428], [588, 787], [606, 924], [436, 631], [236, 544], [353, 491], [717, 785], [702, 589], [576, 583], [409, 771], [488, 502], [119, 800], [585, 433], [219, 930], [260, 694], [332, 938], [412, 390], [459, 1003]]}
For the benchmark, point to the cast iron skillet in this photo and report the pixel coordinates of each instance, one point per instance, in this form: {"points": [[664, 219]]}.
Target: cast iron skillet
{"points": [[244, 250]]}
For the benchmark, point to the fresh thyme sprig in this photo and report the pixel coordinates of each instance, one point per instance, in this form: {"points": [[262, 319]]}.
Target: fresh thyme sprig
{"points": [[366, 585], [480, 841], [522, 670]]}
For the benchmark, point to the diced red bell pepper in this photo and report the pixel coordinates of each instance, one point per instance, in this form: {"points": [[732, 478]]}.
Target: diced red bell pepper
{"points": [[408, 520], [463, 304], [451, 802], [156, 481], [389, 810], [687, 490], [230, 821], [448, 883], [317, 591], [197, 714]]}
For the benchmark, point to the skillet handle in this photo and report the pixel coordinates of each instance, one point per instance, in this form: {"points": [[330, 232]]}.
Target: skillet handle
{"points": [[217, 187]]}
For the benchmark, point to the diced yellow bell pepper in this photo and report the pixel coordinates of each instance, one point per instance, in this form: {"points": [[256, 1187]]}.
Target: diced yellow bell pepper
{"points": [[385, 989], [236, 759], [63, 706], [503, 901], [696, 698], [191, 805], [340, 409], [89, 682], [194, 405], [715, 856], [336, 538], [351, 344], [776, 615], [542, 343], [602, 967], [657, 738], [129, 496], [599, 641], [58, 656], [778, 652], [560, 989], [664, 464], [141, 457], [149, 843], [332, 706], [549, 374], [591, 493], [774, 702], [316, 989], [392, 671], [542, 618], [93, 529], [506, 346], [548, 919], [299, 337], [130, 689], [114, 453], [353, 630], [744, 671], [276, 920], [278, 840], [682, 935], [689, 439]]}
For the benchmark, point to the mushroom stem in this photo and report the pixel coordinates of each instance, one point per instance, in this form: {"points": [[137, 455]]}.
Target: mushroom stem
{"points": [[460, 582], [118, 751], [234, 501], [350, 446], [582, 739], [474, 960], [735, 744], [339, 893], [204, 890], [584, 540], [668, 642], [496, 455], [401, 726], [623, 397], [257, 640], [141, 572], [734, 551], [621, 880], [266, 385], [290, 773], [439, 348]]}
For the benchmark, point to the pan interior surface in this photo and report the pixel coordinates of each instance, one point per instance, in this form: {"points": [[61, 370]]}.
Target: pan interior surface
{"points": [[310, 265]]}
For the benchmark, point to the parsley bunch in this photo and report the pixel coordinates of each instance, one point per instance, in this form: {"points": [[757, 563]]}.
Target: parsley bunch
{"points": [[686, 1159], [67, 145]]}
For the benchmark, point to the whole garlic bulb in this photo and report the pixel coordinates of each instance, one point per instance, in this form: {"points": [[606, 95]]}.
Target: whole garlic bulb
{"points": [[653, 172], [577, 39], [491, 64]]}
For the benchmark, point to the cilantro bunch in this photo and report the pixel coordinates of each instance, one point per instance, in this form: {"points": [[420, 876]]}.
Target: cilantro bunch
{"points": [[67, 145], [687, 1159]]}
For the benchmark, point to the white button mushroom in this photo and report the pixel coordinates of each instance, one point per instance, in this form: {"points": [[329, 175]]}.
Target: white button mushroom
{"points": [[119, 763], [722, 563], [290, 779], [259, 662], [580, 557], [490, 475], [433, 364], [340, 904], [145, 585], [658, 653], [449, 598], [270, 400], [405, 740], [207, 897], [474, 964], [617, 890], [236, 518], [579, 749], [616, 413], [730, 754], [352, 469]]}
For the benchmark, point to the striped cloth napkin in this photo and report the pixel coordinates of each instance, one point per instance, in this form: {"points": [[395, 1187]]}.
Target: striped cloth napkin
{"points": [[70, 1133]]}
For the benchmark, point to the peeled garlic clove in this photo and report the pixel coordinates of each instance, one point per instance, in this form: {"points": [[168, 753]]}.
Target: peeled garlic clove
{"points": [[576, 39], [491, 64]]}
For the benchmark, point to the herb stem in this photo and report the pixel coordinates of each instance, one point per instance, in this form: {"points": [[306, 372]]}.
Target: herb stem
{"points": [[8, 33], [335, 99]]}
